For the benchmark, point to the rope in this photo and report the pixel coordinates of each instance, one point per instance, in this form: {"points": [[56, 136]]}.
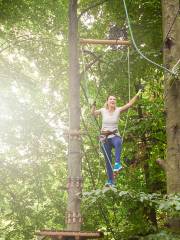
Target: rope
{"points": [[136, 47], [175, 66], [129, 90], [102, 144], [129, 74], [84, 71]]}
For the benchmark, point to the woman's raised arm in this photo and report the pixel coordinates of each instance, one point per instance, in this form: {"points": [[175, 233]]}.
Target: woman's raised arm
{"points": [[131, 102]]}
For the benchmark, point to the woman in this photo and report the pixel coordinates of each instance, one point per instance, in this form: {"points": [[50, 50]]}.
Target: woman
{"points": [[110, 137]]}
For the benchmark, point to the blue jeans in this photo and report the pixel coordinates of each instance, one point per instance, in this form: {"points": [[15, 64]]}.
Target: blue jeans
{"points": [[107, 146]]}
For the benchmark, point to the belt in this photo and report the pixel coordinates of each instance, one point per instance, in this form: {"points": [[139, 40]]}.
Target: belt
{"points": [[107, 133]]}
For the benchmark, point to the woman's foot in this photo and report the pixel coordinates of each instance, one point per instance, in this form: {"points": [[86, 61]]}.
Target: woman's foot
{"points": [[117, 167], [109, 183]]}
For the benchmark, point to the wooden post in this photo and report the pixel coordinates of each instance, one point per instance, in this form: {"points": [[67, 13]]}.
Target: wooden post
{"points": [[73, 216]]}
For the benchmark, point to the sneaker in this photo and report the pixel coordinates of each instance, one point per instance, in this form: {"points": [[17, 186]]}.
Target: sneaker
{"points": [[117, 167], [109, 183]]}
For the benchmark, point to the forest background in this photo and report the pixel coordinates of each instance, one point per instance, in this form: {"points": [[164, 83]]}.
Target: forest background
{"points": [[34, 119]]}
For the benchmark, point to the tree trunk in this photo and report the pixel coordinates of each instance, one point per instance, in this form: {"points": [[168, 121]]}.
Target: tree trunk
{"points": [[172, 93], [74, 156], [171, 54]]}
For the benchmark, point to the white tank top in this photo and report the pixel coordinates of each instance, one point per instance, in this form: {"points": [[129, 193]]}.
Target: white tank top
{"points": [[110, 120]]}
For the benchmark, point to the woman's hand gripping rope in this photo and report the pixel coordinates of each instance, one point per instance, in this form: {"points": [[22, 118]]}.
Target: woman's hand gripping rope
{"points": [[139, 93]]}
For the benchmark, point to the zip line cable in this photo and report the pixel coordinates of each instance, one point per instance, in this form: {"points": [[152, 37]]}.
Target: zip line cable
{"points": [[136, 47], [174, 69]]}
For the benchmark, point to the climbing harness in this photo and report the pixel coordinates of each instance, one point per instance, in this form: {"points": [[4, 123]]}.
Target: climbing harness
{"points": [[104, 135]]}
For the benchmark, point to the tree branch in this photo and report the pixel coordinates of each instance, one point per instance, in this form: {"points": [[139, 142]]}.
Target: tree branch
{"points": [[92, 54], [91, 6], [90, 65], [16, 42]]}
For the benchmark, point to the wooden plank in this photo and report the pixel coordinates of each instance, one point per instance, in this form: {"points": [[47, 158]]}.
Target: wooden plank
{"points": [[104, 42]]}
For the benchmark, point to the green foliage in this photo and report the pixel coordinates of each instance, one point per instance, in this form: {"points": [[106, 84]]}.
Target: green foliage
{"points": [[34, 113], [131, 207], [161, 236], [33, 151], [162, 202]]}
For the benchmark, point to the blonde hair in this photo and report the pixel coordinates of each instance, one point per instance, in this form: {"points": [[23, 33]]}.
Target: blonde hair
{"points": [[106, 105]]}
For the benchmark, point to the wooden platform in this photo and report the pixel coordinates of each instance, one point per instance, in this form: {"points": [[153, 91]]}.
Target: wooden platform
{"points": [[68, 235]]}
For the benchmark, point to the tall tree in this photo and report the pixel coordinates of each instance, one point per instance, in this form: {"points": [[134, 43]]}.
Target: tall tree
{"points": [[74, 158], [171, 32]]}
